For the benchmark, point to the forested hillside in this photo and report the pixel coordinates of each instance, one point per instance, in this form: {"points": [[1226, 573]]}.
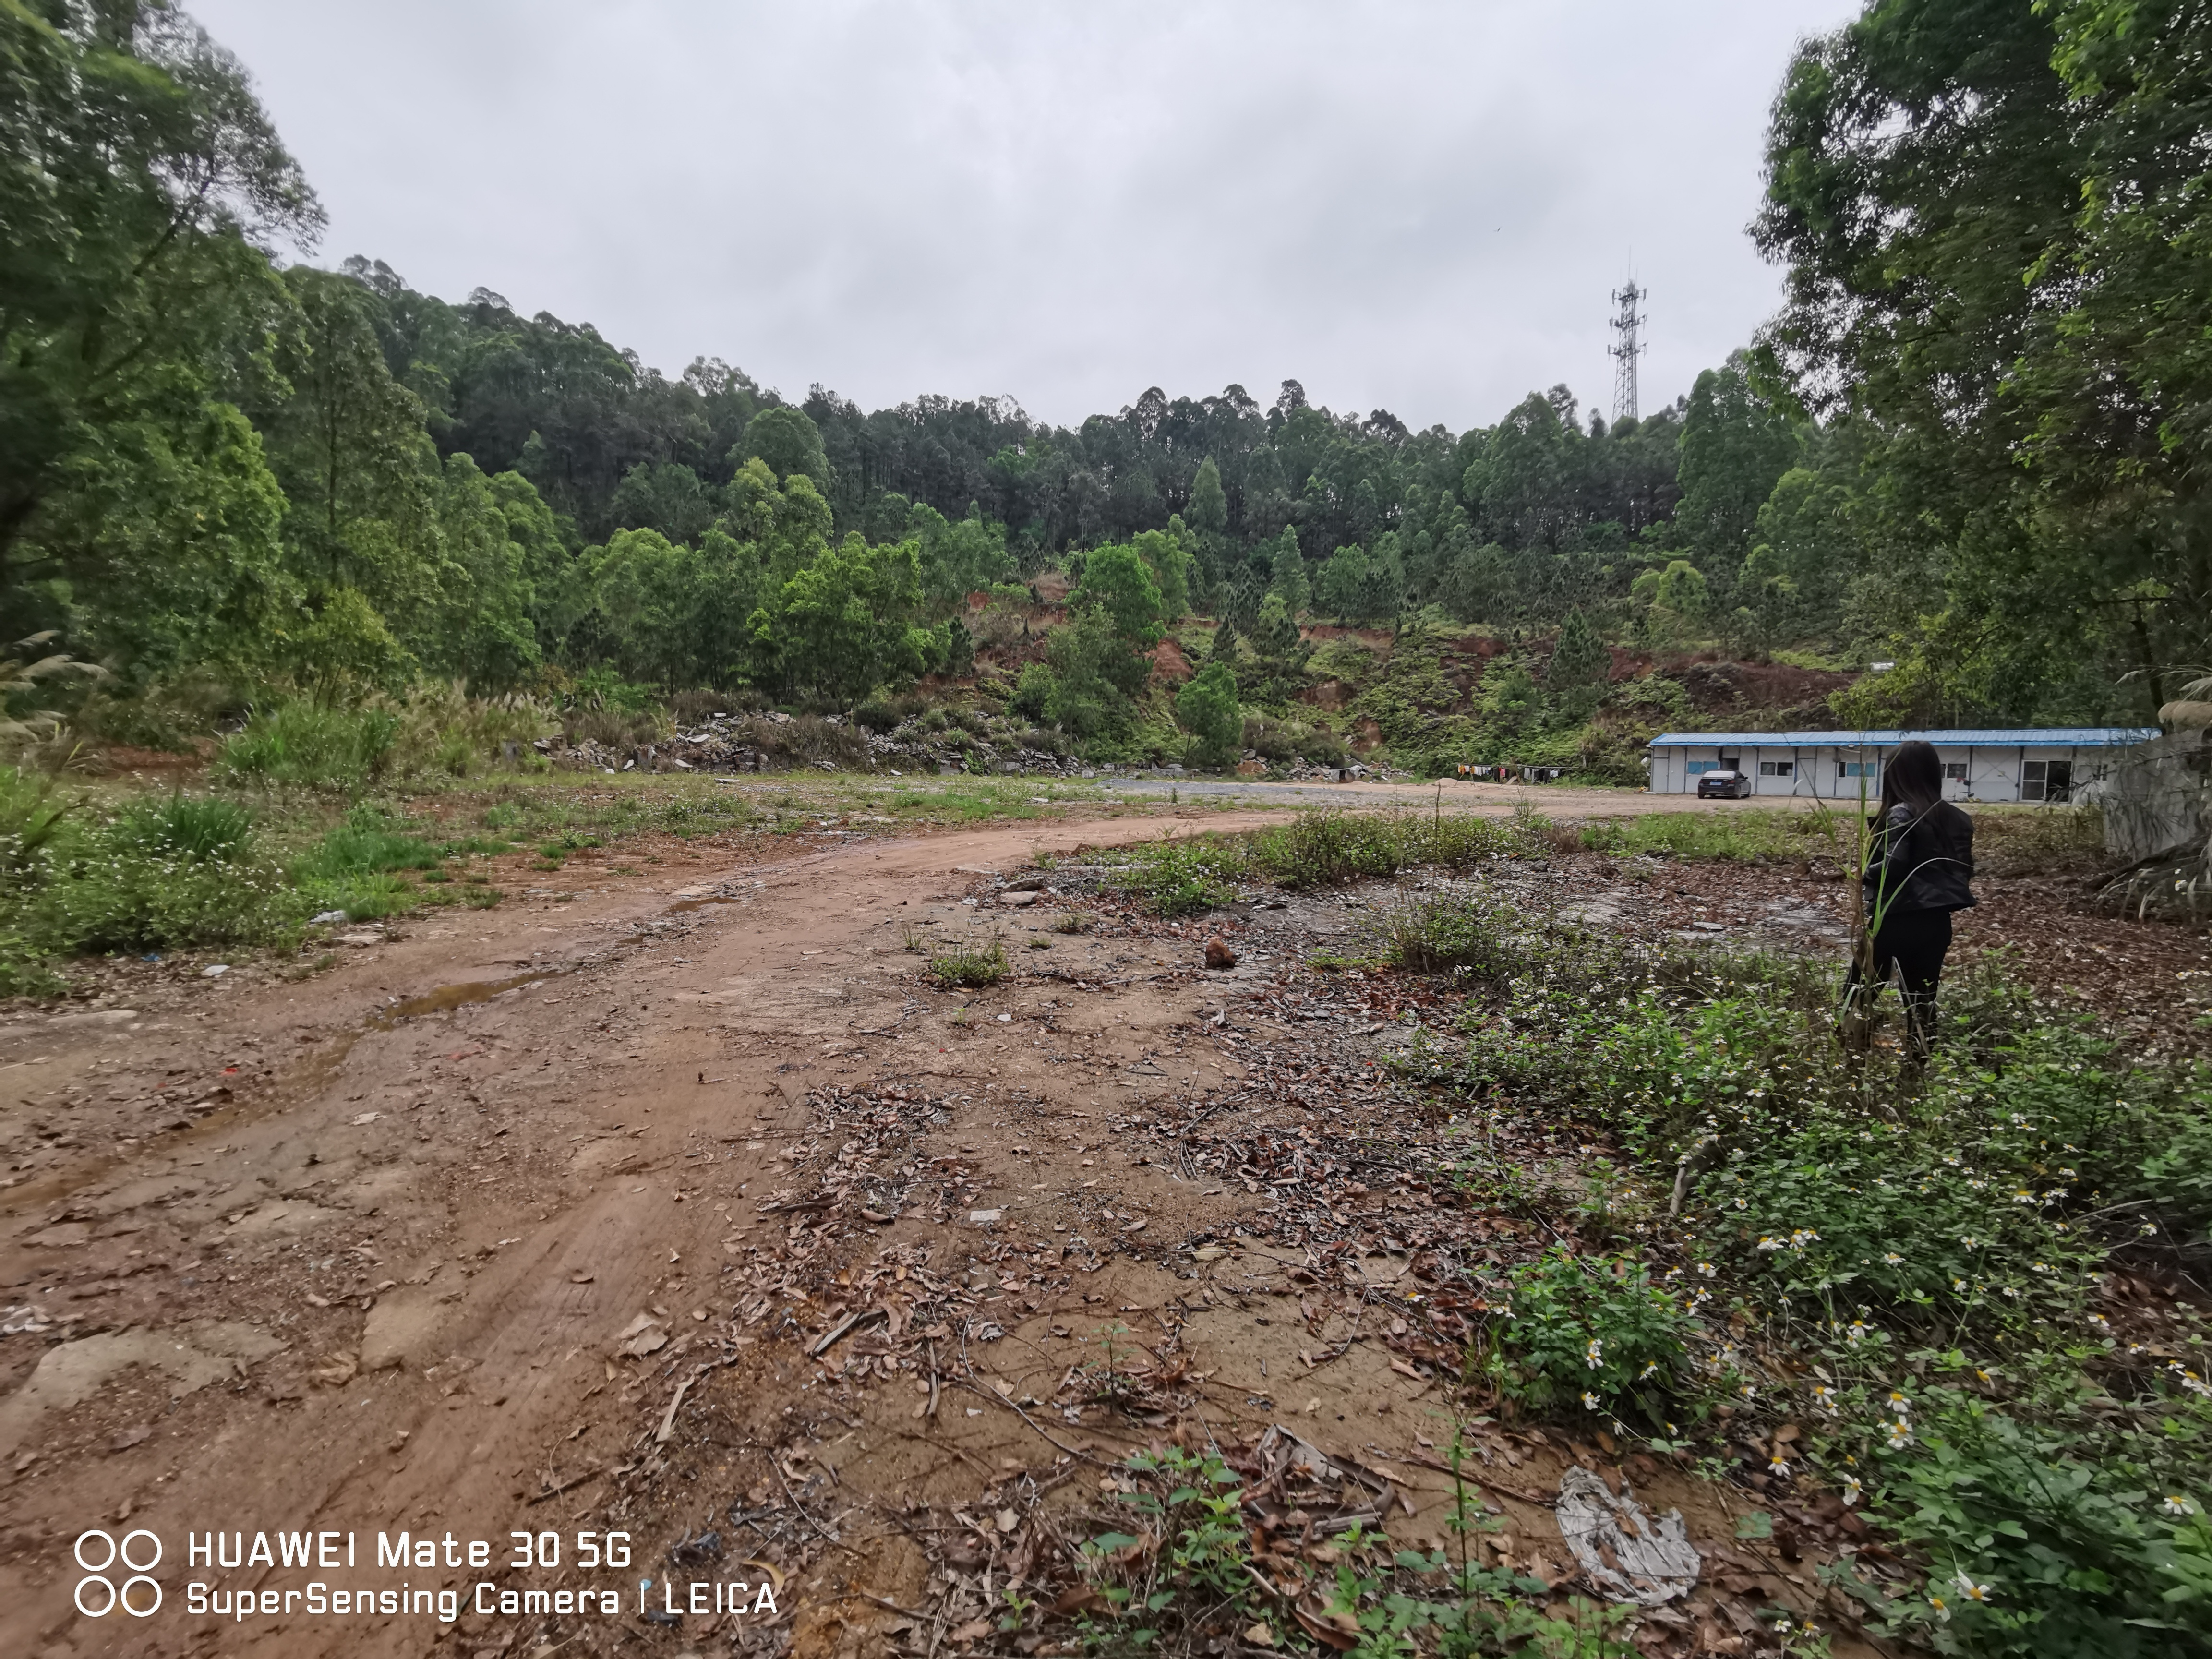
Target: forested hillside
{"points": [[1971, 444]]}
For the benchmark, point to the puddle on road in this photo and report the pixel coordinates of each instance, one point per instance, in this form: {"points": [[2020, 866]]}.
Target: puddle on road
{"points": [[446, 998]]}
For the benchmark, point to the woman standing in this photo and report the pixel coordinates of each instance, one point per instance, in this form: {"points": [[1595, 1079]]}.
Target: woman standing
{"points": [[1919, 862]]}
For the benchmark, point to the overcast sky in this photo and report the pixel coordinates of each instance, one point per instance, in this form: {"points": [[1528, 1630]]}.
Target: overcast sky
{"points": [[1416, 207]]}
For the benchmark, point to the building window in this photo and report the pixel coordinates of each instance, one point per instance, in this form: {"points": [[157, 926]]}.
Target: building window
{"points": [[1778, 769], [2051, 781], [1858, 769], [1955, 771], [1699, 767]]}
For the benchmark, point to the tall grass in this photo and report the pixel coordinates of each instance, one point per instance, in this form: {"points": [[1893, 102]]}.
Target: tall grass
{"points": [[304, 743], [438, 731], [1778, 835], [1318, 850]]}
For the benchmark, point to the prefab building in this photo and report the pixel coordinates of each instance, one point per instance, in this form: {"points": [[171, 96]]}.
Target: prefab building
{"points": [[2035, 763]]}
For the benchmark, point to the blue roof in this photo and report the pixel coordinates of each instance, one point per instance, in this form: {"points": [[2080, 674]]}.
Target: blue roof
{"points": [[2031, 737]]}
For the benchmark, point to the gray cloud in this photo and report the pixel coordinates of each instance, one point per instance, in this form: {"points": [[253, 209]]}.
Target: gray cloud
{"points": [[1414, 206]]}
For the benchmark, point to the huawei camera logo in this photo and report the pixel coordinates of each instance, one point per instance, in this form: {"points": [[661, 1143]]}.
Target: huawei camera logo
{"points": [[98, 1553]]}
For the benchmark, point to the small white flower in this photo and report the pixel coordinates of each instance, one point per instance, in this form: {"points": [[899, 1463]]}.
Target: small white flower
{"points": [[1851, 1489], [1970, 1590], [2175, 1503], [1589, 1400], [1900, 1435], [1892, 1257]]}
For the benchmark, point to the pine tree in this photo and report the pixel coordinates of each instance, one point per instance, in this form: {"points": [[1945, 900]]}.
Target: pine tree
{"points": [[1209, 502], [1289, 574], [1579, 659]]}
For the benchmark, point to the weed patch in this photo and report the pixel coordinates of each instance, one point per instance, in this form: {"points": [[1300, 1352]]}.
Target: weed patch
{"points": [[1184, 875], [969, 966], [1454, 932], [1941, 1282]]}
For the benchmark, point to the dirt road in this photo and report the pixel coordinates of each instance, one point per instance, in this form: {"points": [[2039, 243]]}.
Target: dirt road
{"points": [[353, 1254], [688, 1206]]}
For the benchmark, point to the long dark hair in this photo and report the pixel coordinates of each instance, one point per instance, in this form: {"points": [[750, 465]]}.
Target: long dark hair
{"points": [[1913, 777]]}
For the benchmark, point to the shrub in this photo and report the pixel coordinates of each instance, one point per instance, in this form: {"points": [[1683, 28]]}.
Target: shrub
{"points": [[1591, 1332], [876, 715], [306, 743], [1033, 693], [30, 819], [693, 706]]}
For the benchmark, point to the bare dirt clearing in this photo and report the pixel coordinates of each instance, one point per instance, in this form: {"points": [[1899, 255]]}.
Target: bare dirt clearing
{"points": [[689, 1207]]}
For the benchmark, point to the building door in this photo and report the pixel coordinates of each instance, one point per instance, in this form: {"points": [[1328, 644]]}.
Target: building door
{"points": [[2046, 781]]}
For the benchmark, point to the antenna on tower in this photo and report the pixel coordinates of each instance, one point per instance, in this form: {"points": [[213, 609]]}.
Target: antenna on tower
{"points": [[1626, 321]]}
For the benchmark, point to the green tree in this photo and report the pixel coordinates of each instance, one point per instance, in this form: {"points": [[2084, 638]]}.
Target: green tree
{"points": [[848, 622], [1342, 583], [1735, 444], [1279, 649], [1289, 581], [1208, 710], [788, 442], [1096, 678], [141, 191], [1118, 583], [958, 556], [1579, 657], [1166, 557], [483, 633], [1524, 485], [358, 469], [667, 497], [1985, 219], [1208, 514]]}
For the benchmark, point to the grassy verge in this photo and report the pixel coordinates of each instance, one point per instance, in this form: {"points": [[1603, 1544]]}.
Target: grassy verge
{"points": [[1961, 1300], [2008, 840], [91, 870], [1183, 874]]}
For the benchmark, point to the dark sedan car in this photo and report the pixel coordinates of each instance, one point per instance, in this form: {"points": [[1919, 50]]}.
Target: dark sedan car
{"points": [[1723, 785]]}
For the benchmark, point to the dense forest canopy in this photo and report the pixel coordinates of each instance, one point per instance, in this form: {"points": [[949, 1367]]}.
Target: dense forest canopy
{"points": [[1972, 441]]}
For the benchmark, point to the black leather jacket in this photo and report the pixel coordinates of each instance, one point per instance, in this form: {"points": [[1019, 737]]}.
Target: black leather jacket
{"points": [[1922, 861]]}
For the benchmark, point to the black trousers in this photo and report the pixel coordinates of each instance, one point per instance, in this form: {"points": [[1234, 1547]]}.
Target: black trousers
{"points": [[1912, 945]]}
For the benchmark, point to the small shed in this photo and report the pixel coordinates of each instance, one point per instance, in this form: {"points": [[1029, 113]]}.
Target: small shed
{"points": [[2026, 763]]}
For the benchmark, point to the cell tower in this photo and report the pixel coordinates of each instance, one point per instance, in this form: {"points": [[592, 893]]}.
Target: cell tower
{"points": [[1625, 322]]}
